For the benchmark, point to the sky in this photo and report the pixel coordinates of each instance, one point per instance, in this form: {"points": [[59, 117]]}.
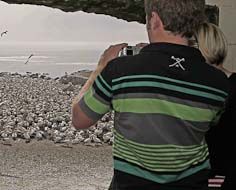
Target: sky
{"points": [[29, 23]]}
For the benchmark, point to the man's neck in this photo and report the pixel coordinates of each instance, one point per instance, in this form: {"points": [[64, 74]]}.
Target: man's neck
{"points": [[170, 38]]}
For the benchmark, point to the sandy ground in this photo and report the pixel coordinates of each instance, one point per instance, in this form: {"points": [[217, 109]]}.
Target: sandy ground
{"points": [[46, 166]]}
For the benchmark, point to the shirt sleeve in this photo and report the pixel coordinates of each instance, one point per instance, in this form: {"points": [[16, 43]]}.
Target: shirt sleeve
{"points": [[97, 100]]}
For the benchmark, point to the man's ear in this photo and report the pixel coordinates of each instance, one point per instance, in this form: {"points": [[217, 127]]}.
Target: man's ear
{"points": [[156, 22]]}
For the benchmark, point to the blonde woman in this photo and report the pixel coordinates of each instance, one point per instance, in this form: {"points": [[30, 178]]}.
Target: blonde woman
{"points": [[213, 45]]}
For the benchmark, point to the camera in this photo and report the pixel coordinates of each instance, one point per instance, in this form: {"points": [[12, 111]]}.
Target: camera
{"points": [[129, 50]]}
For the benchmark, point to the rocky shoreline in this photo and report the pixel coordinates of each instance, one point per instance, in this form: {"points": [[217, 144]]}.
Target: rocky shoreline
{"points": [[37, 107]]}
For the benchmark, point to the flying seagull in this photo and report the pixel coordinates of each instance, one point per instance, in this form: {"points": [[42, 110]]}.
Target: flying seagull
{"points": [[29, 58], [4, 33]]}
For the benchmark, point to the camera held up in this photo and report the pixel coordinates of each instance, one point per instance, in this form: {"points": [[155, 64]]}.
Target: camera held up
{"points": [[129, 51]]}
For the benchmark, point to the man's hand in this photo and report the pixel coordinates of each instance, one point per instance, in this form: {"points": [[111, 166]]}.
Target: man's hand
{"points": [[111, 53]]}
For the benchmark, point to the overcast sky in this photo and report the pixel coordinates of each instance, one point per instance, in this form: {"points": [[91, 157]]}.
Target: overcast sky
{"points": [[38, 23]]}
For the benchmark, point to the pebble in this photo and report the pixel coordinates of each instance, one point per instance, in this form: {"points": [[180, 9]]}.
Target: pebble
{"points": [[34, 107]]}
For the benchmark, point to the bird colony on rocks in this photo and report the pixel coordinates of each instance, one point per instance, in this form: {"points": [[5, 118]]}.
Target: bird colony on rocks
{"points": [[37, 107]]}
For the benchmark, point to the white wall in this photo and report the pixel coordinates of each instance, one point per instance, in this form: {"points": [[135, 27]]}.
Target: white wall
{"points": [[228, 26]]}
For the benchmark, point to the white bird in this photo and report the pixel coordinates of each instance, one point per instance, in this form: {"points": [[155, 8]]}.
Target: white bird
{"points": [[29, 58], [4, 33]]}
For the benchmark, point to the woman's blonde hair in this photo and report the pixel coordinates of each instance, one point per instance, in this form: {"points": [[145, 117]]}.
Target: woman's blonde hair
{"points": [[212, 43]]}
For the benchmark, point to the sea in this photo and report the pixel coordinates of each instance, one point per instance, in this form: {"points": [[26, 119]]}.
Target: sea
{"points": [[53, 58]]}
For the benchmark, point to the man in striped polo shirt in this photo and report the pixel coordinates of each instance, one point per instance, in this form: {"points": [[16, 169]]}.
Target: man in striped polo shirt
{"points": [[165, 99]]}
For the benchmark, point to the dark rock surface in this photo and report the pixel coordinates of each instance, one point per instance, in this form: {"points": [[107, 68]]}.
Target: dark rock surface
{"points": [[130, 10], [75, 78]]}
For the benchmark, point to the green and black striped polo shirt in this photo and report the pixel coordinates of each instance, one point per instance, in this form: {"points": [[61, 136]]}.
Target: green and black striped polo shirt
{"points": [[165, 99]]}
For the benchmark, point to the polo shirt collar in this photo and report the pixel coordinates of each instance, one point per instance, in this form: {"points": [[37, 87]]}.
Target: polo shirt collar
{"points": [[174, 49]]}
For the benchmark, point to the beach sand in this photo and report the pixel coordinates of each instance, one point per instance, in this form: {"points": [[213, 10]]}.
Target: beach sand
{"points": [[46, 166]]}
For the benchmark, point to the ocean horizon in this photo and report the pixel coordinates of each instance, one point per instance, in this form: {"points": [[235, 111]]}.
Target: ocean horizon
{"points": [[54, 58]]}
